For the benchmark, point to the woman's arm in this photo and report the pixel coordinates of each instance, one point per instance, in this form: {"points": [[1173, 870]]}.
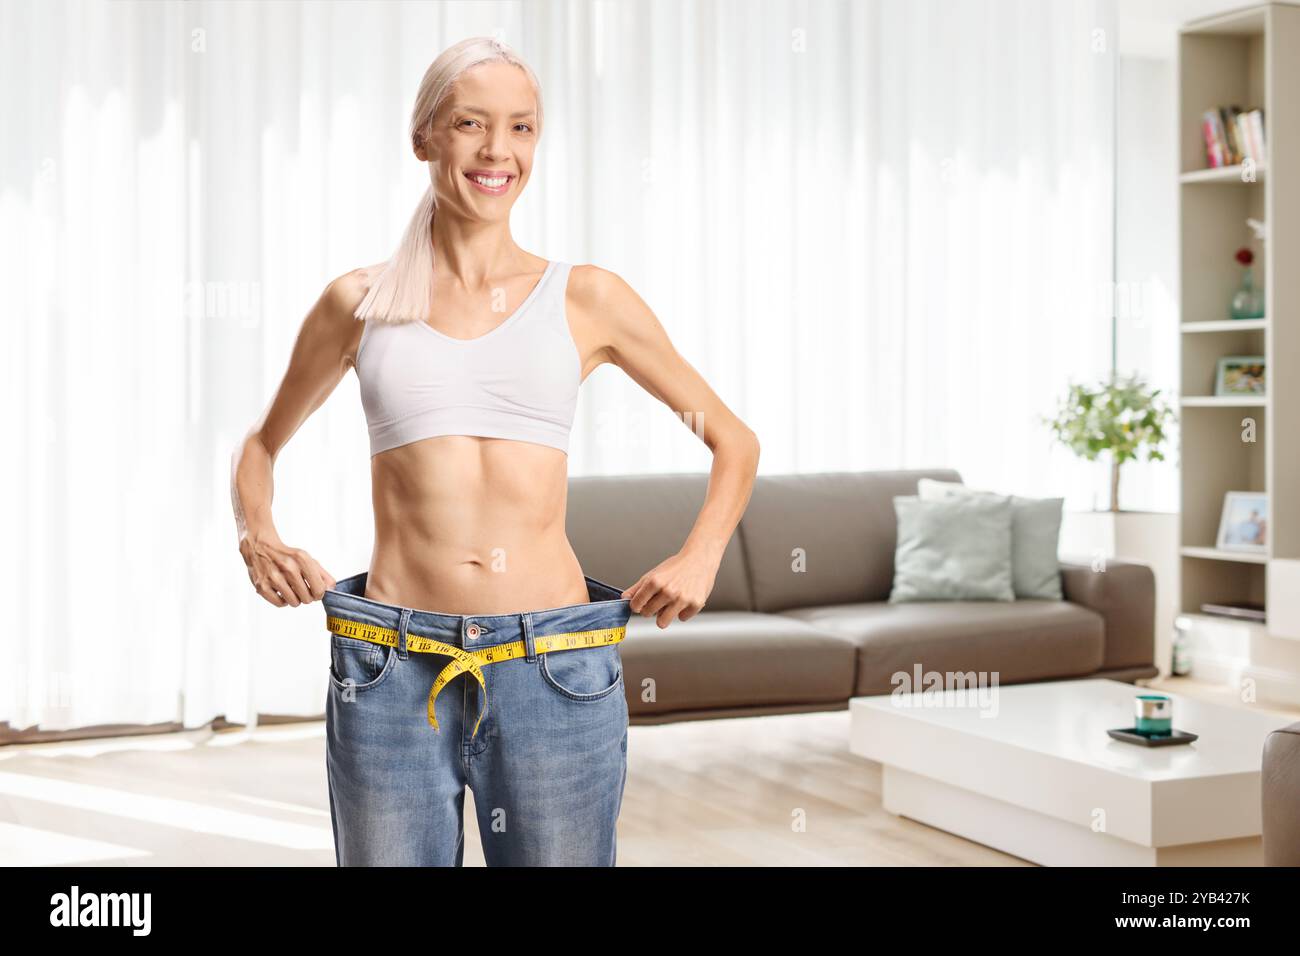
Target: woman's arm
{"points": [[634, 340], [321, 357]]}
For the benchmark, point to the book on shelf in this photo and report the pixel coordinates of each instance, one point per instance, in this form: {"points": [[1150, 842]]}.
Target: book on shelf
{"points": [[1245, 611], [1232, 136]]}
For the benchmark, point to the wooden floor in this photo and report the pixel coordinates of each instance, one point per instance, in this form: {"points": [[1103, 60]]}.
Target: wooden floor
{"points": [[1215, 693], [758, 791]]}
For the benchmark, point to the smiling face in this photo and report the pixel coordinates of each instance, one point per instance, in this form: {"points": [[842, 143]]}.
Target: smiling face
{"points": [[482, 140]]}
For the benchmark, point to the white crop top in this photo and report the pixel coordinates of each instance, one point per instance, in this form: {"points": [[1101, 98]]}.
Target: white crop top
{"points": [[520, 380]]}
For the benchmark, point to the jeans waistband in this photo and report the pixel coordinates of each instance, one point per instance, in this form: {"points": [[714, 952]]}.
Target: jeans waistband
{"points": [[605, 609]]}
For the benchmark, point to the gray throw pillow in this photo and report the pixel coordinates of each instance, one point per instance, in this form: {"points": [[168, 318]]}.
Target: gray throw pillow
{"points": [[956, 548], [1035, 537]]}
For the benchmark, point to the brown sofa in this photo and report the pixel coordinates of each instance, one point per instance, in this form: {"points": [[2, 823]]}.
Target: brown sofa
{"points": [[1280, 797], [799, 618]]}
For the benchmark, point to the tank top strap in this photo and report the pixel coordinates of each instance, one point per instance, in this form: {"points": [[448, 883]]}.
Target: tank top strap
{"points": [[549, 304], [558, 282]]}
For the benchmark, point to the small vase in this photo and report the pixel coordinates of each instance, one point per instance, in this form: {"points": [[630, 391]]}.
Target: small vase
{"points": [[1248, 301]]}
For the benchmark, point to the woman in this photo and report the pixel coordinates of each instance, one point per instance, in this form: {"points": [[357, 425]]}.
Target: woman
{"points": [[470, 354]]}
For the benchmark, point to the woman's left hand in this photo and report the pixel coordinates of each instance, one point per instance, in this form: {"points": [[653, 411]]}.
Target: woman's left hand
{"points": [[674, 589]]}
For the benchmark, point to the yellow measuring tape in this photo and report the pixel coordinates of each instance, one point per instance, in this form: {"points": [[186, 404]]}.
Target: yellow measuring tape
{"points": [[472, 661]]}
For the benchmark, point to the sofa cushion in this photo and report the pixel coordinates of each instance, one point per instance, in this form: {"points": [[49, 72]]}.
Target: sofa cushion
{"points": [[1035, 537], [1020, 640], [952, 549], [721, 659], [621, 526], [825, 538]]}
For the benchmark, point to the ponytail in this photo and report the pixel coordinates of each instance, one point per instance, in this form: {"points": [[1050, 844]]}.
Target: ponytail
{"points": [[402, 293]]}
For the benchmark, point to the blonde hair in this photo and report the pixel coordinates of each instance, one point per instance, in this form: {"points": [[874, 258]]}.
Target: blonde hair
{"points": [[401, 293]]}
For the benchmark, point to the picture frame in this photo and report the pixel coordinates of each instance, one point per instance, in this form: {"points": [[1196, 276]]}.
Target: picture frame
{"points": [[1243, 523], [1240, 375]]}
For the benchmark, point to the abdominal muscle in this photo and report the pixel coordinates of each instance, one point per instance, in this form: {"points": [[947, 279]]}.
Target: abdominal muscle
{"points": [[468, 525]]}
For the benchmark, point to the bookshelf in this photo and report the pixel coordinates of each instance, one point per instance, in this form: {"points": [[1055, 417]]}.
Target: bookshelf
{"points": [[1223, 174], [1246, 58]]}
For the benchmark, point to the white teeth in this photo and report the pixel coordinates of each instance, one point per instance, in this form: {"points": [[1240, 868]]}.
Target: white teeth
{"points": [[491, 183]]}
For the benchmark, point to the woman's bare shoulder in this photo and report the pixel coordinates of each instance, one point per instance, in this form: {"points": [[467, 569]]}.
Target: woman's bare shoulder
{"points": [[344, 293], [334, 318], [587, 277], [602, 293], [594, 288]]}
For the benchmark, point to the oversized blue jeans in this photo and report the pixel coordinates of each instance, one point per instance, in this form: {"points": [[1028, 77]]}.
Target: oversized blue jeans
{"points": [[547, 764]]}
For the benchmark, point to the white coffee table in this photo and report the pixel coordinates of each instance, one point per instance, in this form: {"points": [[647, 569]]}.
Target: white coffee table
{"points": [[1028, 769]]}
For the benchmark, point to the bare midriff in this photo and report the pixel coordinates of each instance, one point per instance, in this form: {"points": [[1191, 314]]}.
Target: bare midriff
{"points": [[469, 525]]}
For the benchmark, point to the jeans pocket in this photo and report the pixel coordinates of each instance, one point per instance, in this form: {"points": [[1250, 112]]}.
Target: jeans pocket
{"points": [[358, 665], [583, 674]]}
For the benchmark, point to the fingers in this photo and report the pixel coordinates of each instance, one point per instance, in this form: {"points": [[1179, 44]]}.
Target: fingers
{"points": [[667, 615], [656, 603], [288, 577], [264, 589], [689, 612], [644, 595], [633, 594], [294, 568], [270, 594], [281, 582], [318, 581], [661, 601], [664, 603]]}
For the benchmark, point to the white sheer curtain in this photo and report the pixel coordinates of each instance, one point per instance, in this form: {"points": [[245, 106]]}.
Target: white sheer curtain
{"points": [[880, 230]]}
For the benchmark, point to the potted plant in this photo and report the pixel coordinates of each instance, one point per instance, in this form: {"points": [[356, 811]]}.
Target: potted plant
{"points": [[1122, 417], [1125, 419]]}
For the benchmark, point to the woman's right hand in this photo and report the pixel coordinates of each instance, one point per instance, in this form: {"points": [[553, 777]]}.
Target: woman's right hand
{"points": [[284, 575]]}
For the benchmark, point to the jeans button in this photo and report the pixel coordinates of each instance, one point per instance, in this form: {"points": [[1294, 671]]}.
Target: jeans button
{"points": [[472, 630]]}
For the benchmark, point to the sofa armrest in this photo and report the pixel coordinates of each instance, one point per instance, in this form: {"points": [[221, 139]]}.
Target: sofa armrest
{"points": [[1280, 797], [1124, 594]]}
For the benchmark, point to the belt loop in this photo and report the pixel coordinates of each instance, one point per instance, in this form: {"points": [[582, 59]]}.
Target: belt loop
{"points": [[526, 622], [401, 633]]}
